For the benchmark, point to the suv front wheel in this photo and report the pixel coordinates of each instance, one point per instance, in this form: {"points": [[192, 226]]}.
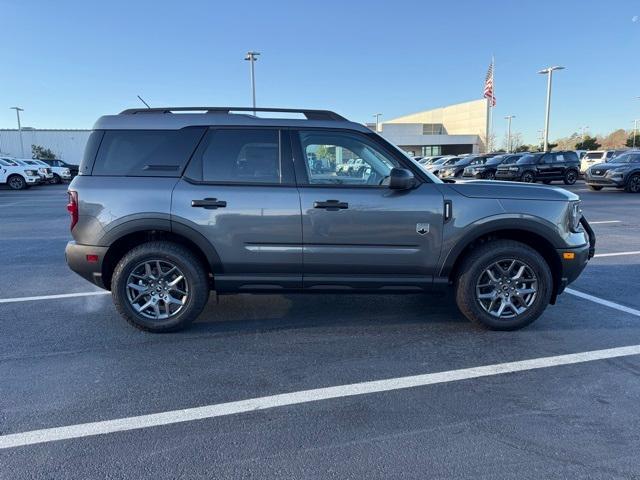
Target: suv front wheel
{"points": [[160, 287], [528, 177], [503, 285], [570, 177]]}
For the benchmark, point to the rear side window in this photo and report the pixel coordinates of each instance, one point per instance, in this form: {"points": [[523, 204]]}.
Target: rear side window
{"points": [[243, 155], [146, 153]]}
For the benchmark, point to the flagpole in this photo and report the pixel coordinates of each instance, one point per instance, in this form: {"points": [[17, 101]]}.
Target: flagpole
{"points": [[493, 95]]}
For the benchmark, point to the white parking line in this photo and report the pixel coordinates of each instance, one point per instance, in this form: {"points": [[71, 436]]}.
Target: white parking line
{"points": [[616, 254], [53, 297], [605, 221], [604, 302], [300, 397]]}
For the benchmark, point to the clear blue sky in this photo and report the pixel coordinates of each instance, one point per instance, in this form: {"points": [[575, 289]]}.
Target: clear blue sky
{"points": [[68, 62]]}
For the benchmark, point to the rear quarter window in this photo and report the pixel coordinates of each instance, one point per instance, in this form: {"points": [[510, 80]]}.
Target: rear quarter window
{"points": [[145, 153]]}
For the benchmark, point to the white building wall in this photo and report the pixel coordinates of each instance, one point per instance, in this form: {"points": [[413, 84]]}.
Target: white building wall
{"points": [[68, 145]]}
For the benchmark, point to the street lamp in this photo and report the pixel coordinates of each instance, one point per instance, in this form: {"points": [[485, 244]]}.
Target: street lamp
{"points": [[635, 132], [508, 118], [377, 117], [549, 72], [18, 110], [252, 57]]}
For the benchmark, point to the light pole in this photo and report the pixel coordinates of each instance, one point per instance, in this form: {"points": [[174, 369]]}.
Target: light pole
{"points": [[508, 118], [549, 72], [18, 110], [635, 132], [252, 57], [377, 117]]}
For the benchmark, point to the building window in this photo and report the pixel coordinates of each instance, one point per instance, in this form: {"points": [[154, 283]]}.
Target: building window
{"points": [[431, 150], [432, 129]]}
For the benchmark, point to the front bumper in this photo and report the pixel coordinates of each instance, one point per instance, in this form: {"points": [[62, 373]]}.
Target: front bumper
{"points": [[573, 267], [603, 181], [76, 256], [507, 175], [33, 180]]}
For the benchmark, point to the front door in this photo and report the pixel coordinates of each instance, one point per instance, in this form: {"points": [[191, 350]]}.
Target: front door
{"points": [[239, 193], [356, 231]]}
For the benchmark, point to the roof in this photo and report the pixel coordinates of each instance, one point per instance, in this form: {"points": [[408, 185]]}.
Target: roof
{"points": [[173, 118]]}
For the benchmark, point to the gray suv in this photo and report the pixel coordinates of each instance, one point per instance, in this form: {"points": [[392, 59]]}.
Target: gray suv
{"points": [[171, 203]]}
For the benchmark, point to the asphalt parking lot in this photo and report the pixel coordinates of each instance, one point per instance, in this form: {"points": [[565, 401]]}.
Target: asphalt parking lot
{"points": [[74, 361]]}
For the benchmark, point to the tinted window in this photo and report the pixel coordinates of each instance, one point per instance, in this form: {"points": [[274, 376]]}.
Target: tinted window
{"points": [[241, 156], [343, 158], [145, 153], [528, 159]]}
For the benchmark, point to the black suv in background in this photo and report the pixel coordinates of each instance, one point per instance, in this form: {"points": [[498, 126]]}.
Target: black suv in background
{"points": [[542, 167], [485, 168], [73, 169]]}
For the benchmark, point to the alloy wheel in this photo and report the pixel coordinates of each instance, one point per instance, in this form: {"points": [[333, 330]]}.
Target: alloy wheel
{"points": [[527, 177], [507, 288], [634, 184], [157, 289], [16, 183]]}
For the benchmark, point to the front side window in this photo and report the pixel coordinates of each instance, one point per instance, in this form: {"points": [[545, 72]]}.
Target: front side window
{"points": [[338, 158], [241, 156]]}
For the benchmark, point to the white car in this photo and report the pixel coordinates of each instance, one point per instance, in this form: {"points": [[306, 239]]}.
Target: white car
{"points": [[44, 171], [598, 156], [59, 173], [16, 176]]}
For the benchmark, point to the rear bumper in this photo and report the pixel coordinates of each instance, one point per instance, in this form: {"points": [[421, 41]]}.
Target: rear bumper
{"points": [[76, 256], [573, 267]]}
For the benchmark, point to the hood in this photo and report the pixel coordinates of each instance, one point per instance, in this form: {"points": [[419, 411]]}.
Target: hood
{"points": [[609, 166], [513, 190]]}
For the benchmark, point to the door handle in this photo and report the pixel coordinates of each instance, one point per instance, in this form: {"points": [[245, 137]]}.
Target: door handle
{"points": [[209, 203], [331, 205]]}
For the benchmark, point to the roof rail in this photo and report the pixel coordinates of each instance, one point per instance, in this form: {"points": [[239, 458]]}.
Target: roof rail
{"points": [[309, 114]]}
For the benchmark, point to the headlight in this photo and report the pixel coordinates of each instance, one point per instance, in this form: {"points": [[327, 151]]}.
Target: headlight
{"points": [[66, 171], [575, 214], [32, 173]]}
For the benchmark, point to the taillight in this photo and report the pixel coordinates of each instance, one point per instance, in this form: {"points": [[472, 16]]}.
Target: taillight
{"points": [[72, 207]]}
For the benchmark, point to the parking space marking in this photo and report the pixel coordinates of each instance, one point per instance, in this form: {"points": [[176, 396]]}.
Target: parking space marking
{"points": [[603, 302], [616, 254], [305, 396], [605, 221], [53, 297]]}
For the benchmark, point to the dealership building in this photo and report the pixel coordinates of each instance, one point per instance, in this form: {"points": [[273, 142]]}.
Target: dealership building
{"points": [[452, 130], [68, 145]]}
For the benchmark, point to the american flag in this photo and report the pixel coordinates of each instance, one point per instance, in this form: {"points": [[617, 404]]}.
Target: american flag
{"points": [[488, 86]]}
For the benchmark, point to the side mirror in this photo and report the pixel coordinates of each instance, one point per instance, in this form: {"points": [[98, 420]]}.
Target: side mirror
{"points": [[401, 179]]}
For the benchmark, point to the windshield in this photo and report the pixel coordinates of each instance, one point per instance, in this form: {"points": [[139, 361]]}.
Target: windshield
{"points": [[627, 158]]}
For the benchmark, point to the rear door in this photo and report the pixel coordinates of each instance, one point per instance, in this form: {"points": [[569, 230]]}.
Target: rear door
{"points": [[356, 231], [545, 167], [239, 193]]}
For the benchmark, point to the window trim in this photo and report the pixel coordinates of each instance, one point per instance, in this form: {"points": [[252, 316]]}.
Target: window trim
{"points": [[284, 150], [301, 174]]}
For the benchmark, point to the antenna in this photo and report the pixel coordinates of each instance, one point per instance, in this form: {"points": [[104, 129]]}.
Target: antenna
{"points": [[145, 103]]}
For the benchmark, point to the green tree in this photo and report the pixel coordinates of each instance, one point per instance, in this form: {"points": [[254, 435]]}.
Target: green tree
{"points": [[525, 148], [589, 143], [631, 143], [42, 153]]}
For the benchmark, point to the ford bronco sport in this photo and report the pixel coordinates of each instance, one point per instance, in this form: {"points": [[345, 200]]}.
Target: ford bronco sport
{"points": [[172, 203]]}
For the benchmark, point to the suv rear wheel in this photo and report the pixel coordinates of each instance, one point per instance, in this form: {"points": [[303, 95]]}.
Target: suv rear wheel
{"points": [[160, 287], [503, 285], [570, 177]]}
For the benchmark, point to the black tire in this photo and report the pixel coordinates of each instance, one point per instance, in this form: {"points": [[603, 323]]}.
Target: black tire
{"points": [[478, 260], [490, 175], [633, 184], [16, 182], [528, 177], [56, 179], [595, 187], [570, 177], [194, 274]]}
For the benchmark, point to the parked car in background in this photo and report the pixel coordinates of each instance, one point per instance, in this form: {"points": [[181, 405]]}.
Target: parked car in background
{"points": [[455, 169], [598, 156], [440, 163], [59, 173], [545, 167], [73, 169], [486, 167], [431, 160], [44, 170], [17, 176], [622, 171]]}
